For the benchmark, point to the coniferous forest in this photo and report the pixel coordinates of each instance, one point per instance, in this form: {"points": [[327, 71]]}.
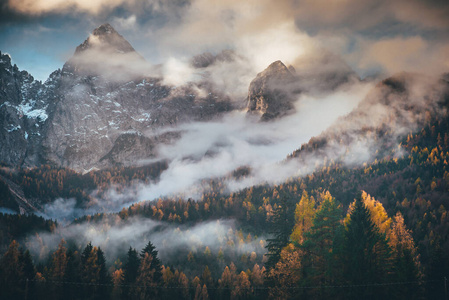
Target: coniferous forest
{"points": [[213, 149], [376, 231]]}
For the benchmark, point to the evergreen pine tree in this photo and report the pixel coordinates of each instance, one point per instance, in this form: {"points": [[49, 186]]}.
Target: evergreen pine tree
{"points": [[281, 229], [86, 253], [155, 262], [90, 273], [29, 272], [25, 259], [11, 273], [131, 271], [72, 274], [366, 255], [104, 279], [437, 272]]}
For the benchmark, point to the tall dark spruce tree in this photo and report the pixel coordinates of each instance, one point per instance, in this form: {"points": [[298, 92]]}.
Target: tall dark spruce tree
{"points": [[155, 263], [86, 253], [156, 270], [366, 256], [84, 270], [437, 275], [11, 273], [104, 279], [72, 274], [29, 271], [131, 271], [281, 228]]}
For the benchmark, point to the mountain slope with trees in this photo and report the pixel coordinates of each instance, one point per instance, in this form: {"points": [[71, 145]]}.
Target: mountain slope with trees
{"points": [[395, 232]]}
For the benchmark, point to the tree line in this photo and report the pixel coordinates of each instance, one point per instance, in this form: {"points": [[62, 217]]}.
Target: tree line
{"points": [[316, 251]]}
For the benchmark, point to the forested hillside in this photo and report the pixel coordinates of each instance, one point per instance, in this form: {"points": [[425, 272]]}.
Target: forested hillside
{"points": [[196, 149], [387, 218]]}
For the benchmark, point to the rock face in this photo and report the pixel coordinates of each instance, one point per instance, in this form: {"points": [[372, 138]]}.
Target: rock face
{"points": [[23, 113], [107, 107], [90, 113], [131, 145], [271, 93]]}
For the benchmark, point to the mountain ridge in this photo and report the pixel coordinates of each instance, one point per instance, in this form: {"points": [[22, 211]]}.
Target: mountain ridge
{"points": [[83, 110]]}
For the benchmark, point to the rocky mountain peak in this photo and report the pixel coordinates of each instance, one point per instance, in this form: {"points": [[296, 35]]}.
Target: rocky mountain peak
{"points": [[5, 58], [104, 29], [105, 37], [106, 52], [276, 69], [270, 92]]}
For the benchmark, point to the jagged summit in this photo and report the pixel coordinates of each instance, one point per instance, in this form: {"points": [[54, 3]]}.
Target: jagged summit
{"points": [[276, 69], [106, 37], [105, 52], [270, 92], [104, 29]]}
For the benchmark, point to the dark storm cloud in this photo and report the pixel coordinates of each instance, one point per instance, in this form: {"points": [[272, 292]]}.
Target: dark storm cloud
{"points": [[9, 15]]}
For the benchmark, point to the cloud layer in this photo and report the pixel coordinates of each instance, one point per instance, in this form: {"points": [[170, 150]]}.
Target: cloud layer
{"points": [[372, 36], [116, 236]]}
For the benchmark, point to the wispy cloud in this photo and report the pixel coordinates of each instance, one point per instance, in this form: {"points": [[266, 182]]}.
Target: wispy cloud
{"points": [[170, 239]]}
